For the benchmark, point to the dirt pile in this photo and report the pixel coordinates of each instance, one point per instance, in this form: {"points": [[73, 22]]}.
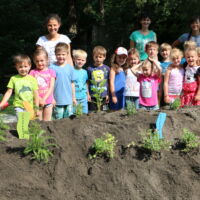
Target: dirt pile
{"points": [[131, 175]]}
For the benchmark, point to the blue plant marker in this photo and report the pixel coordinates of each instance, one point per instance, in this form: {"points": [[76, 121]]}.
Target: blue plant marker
{"points": [[160, 123]]}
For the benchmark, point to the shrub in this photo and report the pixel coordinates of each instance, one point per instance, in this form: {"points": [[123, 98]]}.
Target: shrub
{"points": [[175, 105], [130, 108], [38, 144], [190, 140], [104, 146]]}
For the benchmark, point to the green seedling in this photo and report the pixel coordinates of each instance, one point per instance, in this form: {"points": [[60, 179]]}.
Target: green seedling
{"points": [[175, 105], [98, 89], [152, 141], [104, 146], [78, 109], [38, 144], [131, 110], [190, 140]]}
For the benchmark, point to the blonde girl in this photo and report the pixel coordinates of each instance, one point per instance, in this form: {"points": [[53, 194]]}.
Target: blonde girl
{"points": [[45, 78], [173, 80], [132, 86], [49, 41], [118, 79]]}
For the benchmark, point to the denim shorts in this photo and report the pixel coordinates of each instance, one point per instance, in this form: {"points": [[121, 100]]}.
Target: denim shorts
{"points": [[132, 99], [156, 107], [63, 111]]}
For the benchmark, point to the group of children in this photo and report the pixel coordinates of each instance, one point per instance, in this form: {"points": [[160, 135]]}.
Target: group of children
{"points": [[59, 86]]}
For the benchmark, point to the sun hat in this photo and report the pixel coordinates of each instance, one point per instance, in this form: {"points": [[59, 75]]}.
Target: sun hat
{"points": [[121, 51]]}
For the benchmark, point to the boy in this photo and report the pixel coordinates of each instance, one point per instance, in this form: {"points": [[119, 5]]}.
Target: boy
{"points": [[81, 77], [97, 73], [165, 50], [24, 86], [64, 89]]}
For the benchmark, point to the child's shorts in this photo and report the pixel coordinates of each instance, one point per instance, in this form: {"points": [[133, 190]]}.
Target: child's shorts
{"points": [[84, 103], [156, 107], [63, 111]]}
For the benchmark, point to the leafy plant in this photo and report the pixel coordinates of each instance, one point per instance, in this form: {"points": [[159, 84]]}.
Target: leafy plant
{"points": [[190, 140], [104, 146], [131, 110], [3, 128], [38, 144], [2, 135], [152, 141], [98, 89], [176, 104], [78, 109]]}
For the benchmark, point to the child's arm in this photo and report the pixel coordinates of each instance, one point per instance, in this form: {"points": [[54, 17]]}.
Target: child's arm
{"points": [[112, 84], [73, 93], [88, 92], [136, 70], [166, 81], [49, 92], [197, 97], [36, 101], [6, 97], [156, 67]]}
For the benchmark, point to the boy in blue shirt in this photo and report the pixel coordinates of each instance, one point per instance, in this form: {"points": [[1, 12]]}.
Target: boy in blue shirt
{"points": [[98, 72], [64, 89], [81, 77]]}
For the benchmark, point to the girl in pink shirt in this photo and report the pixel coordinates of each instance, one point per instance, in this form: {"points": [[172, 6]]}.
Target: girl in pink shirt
{"points": [[45, 78], [149, 80], [173, 82]]}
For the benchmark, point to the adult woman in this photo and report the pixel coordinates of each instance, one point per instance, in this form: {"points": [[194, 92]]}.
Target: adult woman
{"points": [[194, 33], [139, 38]]}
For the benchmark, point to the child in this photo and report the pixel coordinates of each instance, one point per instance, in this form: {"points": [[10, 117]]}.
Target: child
{"points": [[81, 77], [49, 41], [149, 80], [173, 82], [24, 86], [118, 79], [64, 89], [190, 85], [46, 79], [165, 50], [97, 73], [132, 86]]}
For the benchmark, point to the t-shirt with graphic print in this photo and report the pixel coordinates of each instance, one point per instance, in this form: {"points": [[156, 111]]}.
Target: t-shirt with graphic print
{"points": [[24, 87], [98, 74], [43, 78]]}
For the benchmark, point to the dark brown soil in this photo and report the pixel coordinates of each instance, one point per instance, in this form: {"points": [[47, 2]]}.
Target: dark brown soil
{"points": [[133, 174]]}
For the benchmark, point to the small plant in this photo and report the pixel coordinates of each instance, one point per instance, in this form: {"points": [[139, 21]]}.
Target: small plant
{"points": [[98, 89], [38, 144], [3, 128], [190, 140], [175, 105], [78, 109], [152, 141], [2, 135], [131, 110], [104, 146]]}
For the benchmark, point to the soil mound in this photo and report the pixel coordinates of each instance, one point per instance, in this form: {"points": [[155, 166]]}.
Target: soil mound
{"points": [[131, 175]]}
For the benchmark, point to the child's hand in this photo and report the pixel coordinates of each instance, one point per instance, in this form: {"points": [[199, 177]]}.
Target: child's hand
{"points": [[74, 101], [197, 98], [54, 102], [167, 99], [42, 102], [37, 113], [89, 98], [107, 99], [114, 99]]}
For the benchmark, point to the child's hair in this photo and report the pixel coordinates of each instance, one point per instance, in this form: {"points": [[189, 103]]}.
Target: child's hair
{"points": [[190, 44], [151, 44], [193, 20], [20, 58], [144, 15], [53, 16], [175, 52], [198, 50], [79, 53], [40, 50], [165, 46], [190, 50], [113, 61], [146, 63], [99, 50], [61, 46], [133, 51]]}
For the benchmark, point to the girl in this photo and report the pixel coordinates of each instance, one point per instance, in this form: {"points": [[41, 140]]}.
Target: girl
{"points": [[45, 78], [190, 85], [49, 41], [149, 80], [194, 33], [173, 81], [118, 79], [139, 38], [132, 86]]}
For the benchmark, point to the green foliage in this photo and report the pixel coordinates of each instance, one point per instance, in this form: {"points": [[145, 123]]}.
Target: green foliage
{"points": [[78, 109], [152, 141], [130, 108], [3, 128], [38, 144], [175, 105], [104, 146], [98, 89], [190, 140]]}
